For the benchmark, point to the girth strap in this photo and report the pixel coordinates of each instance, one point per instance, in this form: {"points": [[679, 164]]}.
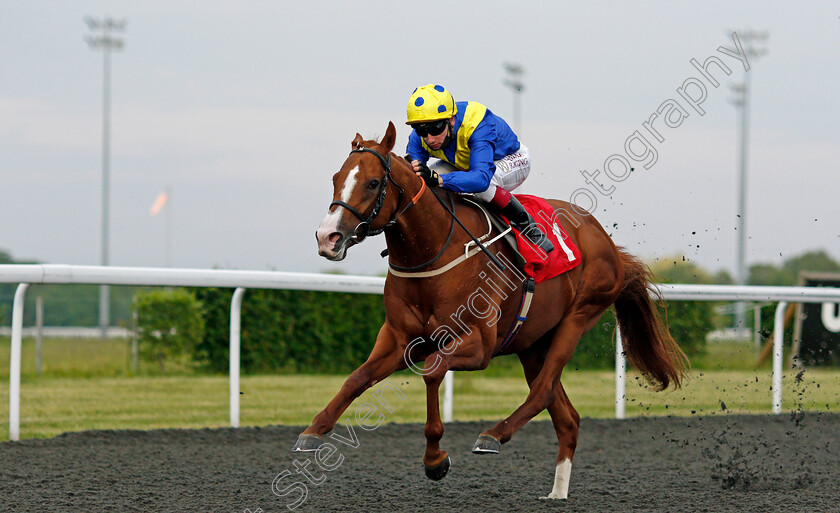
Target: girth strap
{"points": [[527, 294]]}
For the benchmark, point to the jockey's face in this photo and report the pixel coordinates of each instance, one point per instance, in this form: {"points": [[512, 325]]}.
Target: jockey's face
{"points": [[436, 141]]}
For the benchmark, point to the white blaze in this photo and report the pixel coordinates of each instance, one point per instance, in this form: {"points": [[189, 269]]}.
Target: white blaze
{"points": [[349, 184], [330, 223]]}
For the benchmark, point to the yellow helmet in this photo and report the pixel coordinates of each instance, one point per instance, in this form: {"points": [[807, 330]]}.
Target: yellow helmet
{"points": [[430, 103]]}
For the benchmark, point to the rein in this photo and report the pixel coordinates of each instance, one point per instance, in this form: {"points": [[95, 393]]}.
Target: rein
{"points": [[478, 243], [363, 230], [414, 268]]}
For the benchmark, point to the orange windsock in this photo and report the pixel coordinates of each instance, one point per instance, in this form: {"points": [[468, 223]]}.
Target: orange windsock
{"points": [[159, 203]]}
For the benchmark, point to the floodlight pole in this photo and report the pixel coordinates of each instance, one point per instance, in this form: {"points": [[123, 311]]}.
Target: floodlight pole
{"points": [[514, 81], [103, 38], [168, 242], [741, 101]]}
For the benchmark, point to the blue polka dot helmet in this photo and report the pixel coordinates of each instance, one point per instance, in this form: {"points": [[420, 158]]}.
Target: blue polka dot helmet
{"points": [[430, 103]]}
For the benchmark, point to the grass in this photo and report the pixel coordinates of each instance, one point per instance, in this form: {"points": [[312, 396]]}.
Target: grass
{"points": [[87, 385], [79, 357], [731, 356], [112, 357], [51, 406]]}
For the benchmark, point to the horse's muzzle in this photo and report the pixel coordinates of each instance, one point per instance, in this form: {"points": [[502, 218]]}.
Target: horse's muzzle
{"points": [[332, 246]]}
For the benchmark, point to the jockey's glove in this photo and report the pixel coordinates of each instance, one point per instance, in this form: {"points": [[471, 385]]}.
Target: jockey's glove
{"points": [[431, 178]]}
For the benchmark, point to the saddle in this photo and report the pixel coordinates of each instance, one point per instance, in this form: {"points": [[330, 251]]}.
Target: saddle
{"points": [[532, 260], [501, 226]]}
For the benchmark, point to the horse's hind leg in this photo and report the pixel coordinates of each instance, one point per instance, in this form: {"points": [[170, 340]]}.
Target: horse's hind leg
{"points": [[565, 418], [543, 393], [566, 422]]}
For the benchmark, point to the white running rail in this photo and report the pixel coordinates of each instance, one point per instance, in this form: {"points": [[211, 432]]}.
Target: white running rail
{"points": [[28, 274]]}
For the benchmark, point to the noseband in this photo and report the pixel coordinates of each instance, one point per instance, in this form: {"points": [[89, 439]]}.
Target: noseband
{"points": [[363, 230]]}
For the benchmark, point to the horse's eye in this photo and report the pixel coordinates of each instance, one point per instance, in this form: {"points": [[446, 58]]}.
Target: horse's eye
{"points": [[373, 184]]}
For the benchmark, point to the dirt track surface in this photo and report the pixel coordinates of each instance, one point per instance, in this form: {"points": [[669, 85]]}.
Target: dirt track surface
{"points": [[715, 463]]}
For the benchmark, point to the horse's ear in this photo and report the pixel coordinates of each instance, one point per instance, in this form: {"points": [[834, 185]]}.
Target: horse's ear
{"points": [[390, 138], [357, 142]]}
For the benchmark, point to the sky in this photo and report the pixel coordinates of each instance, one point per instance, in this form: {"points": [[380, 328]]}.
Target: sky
{"points": [[243, 111]]}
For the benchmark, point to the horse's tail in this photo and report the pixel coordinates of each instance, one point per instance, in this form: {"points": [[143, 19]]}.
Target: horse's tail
{"points": [[647, 342]]}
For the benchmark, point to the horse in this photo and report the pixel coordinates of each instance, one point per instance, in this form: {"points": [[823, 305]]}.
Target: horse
{"points": [[376, 191]]}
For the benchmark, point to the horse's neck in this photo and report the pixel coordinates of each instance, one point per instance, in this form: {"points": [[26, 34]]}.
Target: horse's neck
{"points": [[421, 233]]}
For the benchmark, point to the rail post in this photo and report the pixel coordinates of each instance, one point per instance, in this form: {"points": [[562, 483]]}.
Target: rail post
{"points": [[778, 346], [620, 371], [14, 363], [235, 324]]}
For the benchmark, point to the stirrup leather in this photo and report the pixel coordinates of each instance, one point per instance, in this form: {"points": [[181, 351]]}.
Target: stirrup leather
{"points": [[522, 222]]}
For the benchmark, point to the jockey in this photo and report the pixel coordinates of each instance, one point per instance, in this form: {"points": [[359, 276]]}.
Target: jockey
{"points": [[479, 154]]}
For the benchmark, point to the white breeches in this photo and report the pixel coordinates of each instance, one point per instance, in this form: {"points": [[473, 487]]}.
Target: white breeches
{"points": [[511, 171]]}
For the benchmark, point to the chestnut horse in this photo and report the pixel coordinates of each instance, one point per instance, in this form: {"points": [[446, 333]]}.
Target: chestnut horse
{"points": [[376, 191]]}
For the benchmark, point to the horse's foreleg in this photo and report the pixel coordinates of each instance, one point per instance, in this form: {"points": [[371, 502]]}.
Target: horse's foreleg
{"points": [[435, 460], [385, 358], [468, 355]]}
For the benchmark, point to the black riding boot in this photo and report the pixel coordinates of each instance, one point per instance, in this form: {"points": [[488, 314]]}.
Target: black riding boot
{"points": [[522, 221]]}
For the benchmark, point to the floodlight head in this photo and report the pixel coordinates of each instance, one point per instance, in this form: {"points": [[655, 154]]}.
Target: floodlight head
{"points": [[515, 69], [94, 42], [93, 24], [113, 24]]}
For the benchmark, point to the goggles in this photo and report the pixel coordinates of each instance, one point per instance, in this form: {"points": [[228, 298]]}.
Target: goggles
{"points": [[434, 128]]}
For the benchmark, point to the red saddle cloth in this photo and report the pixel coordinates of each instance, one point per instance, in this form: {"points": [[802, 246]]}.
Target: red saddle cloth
{"points": [[565, 256]]}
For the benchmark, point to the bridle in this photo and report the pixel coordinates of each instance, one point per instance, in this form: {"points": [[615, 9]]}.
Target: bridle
{"points": [[362, 230]]}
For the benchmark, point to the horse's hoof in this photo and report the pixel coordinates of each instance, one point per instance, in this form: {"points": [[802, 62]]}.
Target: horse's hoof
{"points": [[439, 471], [486, 444], [553, 495], [308, 443]]}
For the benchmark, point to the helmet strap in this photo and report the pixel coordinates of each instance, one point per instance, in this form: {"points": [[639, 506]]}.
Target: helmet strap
{"points": [[450, 135]]}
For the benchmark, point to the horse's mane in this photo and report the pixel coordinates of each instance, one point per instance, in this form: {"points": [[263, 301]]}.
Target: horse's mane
{"points": [[450, 197]]}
